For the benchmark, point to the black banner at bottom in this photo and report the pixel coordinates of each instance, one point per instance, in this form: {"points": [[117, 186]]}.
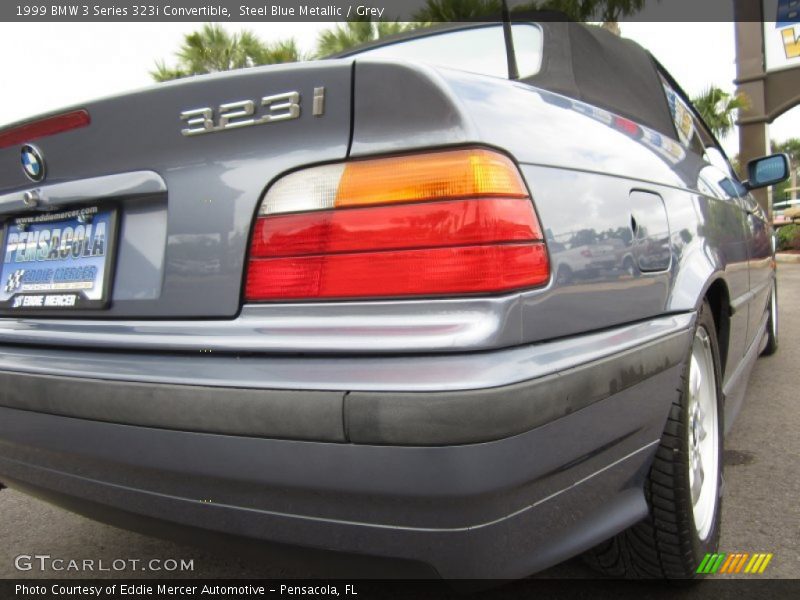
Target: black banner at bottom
{"points": [[234, 589]]}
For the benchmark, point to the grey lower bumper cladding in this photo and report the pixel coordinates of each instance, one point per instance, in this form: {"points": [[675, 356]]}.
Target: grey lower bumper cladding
{"points": [[403, 418], [470, 416], [259, 413], [496, 509]]}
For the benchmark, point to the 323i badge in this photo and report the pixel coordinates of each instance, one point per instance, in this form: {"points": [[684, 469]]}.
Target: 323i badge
{"points": [[58, 261]]}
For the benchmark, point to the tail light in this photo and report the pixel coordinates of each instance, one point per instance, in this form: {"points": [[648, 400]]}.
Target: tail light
{"points": [[427, 224], [27, 132]]}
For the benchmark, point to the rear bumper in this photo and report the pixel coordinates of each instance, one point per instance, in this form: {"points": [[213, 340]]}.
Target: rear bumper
{"points": [[496, 482]]}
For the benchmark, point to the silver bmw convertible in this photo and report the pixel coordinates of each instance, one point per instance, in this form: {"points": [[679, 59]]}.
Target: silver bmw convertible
{"points": [[476, 299]]}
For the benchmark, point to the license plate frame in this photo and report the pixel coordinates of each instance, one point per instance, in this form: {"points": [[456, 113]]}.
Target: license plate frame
{"points": [[59, 284]]}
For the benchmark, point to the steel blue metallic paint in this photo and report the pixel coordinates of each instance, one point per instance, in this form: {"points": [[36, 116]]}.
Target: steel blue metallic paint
{"points": [[214, 182], [344, 371], [640, 229]]}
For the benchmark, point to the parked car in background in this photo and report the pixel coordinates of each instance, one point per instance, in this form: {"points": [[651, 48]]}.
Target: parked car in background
{"points": [[785, 212], [471, 305]]}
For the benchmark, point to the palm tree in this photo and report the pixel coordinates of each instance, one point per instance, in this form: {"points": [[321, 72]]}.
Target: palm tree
{"points": [[792, 148], [611, 10], [358, 31], [719, 109], [606, 11], [282, 51], [362, 30], [213, 49], [737, 167], [458, 10]]}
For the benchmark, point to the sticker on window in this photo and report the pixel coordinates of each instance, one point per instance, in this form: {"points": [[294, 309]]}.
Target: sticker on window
{"points": [[681, 116]]}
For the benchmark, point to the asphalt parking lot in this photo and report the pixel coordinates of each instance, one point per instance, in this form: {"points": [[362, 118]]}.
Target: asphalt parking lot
{"points": [[760, 509]]}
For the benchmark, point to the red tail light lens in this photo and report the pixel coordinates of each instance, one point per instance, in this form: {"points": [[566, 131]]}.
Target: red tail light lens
{"points": [[403, 236], [424, 225], [44, 127], [425, 272]]}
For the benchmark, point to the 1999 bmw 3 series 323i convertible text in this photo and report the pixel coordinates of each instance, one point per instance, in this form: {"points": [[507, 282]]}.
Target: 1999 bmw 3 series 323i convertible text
{"points": [[434, 301]]}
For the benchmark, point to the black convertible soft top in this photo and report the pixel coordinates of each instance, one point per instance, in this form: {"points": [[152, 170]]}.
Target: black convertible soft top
{"points": [[584, 62], [591, 64]]}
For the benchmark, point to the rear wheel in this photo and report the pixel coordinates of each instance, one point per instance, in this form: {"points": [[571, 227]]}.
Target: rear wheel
{"points": [[683, 488], [772, 323]]}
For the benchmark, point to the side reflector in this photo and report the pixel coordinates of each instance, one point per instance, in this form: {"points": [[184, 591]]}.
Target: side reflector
{"points": [[44, 127]]}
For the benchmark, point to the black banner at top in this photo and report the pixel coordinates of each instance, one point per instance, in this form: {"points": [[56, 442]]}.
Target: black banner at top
{"points": [[243, 11]]}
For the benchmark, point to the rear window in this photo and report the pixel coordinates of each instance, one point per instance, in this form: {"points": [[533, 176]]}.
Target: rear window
{"points": [[477, 50]]}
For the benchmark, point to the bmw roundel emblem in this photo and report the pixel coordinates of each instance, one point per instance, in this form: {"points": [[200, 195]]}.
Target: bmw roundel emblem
{"points": [[32, 163]]}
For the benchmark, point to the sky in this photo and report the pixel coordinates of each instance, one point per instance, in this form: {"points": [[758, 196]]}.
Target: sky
{"points": [[73, 62]]}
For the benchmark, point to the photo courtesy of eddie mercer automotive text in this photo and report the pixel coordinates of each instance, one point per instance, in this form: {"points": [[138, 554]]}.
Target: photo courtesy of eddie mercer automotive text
{"points": [[474, 298], [145, 590]]}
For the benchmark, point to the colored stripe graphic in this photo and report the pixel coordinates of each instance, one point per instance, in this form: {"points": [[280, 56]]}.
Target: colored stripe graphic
{"points": [[765, 563], [734, 563], [741, 562], [727, 564], [704, 564], [731, 560], [758, 563], [711, 563]]}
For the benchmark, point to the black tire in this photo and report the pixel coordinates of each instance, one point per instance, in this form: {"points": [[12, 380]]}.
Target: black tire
{"points": [[772, 323], [667, 544]]}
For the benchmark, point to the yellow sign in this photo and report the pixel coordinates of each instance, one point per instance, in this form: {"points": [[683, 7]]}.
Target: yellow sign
{"points": [[791, 42], [781, 36]]}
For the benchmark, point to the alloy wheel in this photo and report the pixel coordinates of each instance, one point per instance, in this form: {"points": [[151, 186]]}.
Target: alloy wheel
{"points": [[702, 433]]}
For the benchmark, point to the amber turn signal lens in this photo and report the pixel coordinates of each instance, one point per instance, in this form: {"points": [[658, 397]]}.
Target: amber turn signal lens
{"points": [[469, 173]]}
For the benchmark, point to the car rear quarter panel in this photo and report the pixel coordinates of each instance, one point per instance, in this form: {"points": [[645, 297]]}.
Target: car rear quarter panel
{"points": [[581, 165]]}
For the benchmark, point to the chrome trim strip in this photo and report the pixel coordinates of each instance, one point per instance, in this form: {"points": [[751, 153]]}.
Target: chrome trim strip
{"points": [[135, 183], [738, 302], [431, 372], [355, 327]]}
